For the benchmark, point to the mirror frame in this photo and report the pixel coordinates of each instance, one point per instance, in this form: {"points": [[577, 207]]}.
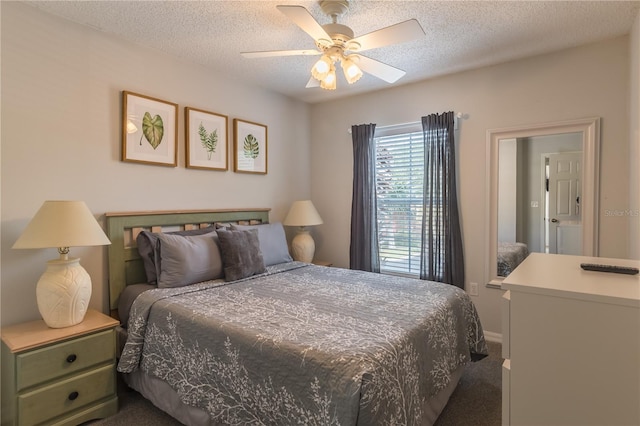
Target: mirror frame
{"points": [[590, 129]]}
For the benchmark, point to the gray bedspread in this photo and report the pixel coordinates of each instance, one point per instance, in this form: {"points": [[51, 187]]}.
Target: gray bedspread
{"points": [[510, 255], [305, 344]]}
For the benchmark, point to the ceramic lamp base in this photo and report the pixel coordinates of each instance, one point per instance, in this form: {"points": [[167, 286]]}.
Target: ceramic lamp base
{"points": [[302, 246], [63, 293]]}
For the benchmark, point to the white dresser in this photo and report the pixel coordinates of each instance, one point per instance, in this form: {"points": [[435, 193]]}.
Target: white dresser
{"points": [[571, 343]]}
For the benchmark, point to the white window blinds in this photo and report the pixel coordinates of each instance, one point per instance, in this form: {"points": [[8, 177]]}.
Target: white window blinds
{"points": [[399, 190]]}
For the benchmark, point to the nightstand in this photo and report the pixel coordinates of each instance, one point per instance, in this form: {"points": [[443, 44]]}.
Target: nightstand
{"points": [[61, 376], [322, 263]]}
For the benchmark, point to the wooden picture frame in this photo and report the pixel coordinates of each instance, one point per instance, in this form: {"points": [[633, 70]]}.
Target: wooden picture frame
{"points": [[206, 139], [250, 147], [149, 130]]}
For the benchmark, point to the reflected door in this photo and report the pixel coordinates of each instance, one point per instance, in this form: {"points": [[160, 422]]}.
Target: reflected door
{"points": [[565, 217]]}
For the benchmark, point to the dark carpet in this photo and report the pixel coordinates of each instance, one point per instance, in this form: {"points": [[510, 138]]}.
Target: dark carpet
{"points": [[476, 401], [478, 398]]}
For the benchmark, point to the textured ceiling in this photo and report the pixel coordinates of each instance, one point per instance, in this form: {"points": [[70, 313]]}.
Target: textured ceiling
{"points": [[460, 35]]}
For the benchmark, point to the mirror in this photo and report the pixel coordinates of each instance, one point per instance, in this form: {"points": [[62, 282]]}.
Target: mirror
{"points": [[529, 202]]}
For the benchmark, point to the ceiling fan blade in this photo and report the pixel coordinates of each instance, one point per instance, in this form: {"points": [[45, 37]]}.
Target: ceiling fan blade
{"points": [[378, 69], [398, 33], [312, 83], [302, 18], [271, 53]]}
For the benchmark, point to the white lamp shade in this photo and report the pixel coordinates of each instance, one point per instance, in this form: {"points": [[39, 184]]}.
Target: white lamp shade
{"points": [[62, 224], [351, 71], [64, 290], [329, 82], [321, 68], [302, 213]]}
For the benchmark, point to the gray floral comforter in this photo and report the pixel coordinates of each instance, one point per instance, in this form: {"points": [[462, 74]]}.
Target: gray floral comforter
{"points": [[304, 344], [510, 255]]}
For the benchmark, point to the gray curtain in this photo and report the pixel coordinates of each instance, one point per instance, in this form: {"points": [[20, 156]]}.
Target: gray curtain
{"points": [[363, 251], [442, 255]]}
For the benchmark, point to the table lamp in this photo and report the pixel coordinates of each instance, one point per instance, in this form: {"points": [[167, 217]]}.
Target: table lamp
{"points": [[302, 214], [64, 290]]}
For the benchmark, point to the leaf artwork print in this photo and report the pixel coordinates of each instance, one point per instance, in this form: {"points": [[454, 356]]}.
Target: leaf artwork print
{"points": [[209, 140], [251, 147], [152, 129]]}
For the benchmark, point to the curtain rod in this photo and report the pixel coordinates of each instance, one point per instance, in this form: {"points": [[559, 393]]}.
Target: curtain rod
{"points": [[459, 115]]}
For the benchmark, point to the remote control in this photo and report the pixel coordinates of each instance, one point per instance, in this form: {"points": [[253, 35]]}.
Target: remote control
{"points": [[609, 268]]}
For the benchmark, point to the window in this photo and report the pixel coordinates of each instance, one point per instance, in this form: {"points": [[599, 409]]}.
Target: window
{"points": [[399, 190]]}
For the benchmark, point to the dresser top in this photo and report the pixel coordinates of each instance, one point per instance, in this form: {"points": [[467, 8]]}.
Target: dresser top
{"points": [[28, 335], [561, 275]]}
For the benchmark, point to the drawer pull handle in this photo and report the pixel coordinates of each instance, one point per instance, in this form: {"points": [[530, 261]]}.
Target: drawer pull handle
{"points": [[73, 395], [71, 358]]}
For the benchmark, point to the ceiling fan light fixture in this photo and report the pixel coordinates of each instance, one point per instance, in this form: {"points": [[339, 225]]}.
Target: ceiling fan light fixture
{"points": [[352, 71], [352, 45], [322, 68], [324, 43], [335, 42], [329, 81]]}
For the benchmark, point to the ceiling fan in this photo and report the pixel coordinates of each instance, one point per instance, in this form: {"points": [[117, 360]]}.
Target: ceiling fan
{"points": [[336, 43]]}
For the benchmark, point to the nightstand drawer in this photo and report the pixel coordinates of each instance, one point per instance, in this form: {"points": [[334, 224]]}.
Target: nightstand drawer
{"points": [[41, 365], [66, 396]]}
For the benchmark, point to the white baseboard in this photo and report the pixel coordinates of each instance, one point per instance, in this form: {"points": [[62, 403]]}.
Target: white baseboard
{"points": [[490, 336]]}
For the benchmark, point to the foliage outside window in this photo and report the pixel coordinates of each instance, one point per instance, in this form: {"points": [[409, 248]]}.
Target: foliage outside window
{"points": [[399, 190]]}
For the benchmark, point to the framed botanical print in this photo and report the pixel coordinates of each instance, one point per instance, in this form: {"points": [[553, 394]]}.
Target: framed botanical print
{"points": [[149, 130], [206, 139], [250, 147]]}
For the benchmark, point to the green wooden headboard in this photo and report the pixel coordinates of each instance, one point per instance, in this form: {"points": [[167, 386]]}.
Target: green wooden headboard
{"points": [[125, 264]]}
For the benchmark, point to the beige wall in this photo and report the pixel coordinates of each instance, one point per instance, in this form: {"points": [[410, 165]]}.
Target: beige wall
{"points": [[61, 111], [581, 82], [634, 140], [61, 114]]}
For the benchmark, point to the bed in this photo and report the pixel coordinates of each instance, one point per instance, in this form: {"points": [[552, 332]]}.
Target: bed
{"points": [[290, 343], [510, 255]]}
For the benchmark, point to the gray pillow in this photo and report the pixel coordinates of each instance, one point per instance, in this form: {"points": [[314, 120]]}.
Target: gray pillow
{"points": [[241, 255], [273, 242], [185, 260], [147, 242]]}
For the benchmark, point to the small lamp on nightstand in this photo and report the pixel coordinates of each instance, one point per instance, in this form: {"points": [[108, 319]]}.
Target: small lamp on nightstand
{"points": [[64, 290], [302, 214]]}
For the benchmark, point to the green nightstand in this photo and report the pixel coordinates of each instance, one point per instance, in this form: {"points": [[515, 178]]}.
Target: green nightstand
{"points": [[59, 376]]}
